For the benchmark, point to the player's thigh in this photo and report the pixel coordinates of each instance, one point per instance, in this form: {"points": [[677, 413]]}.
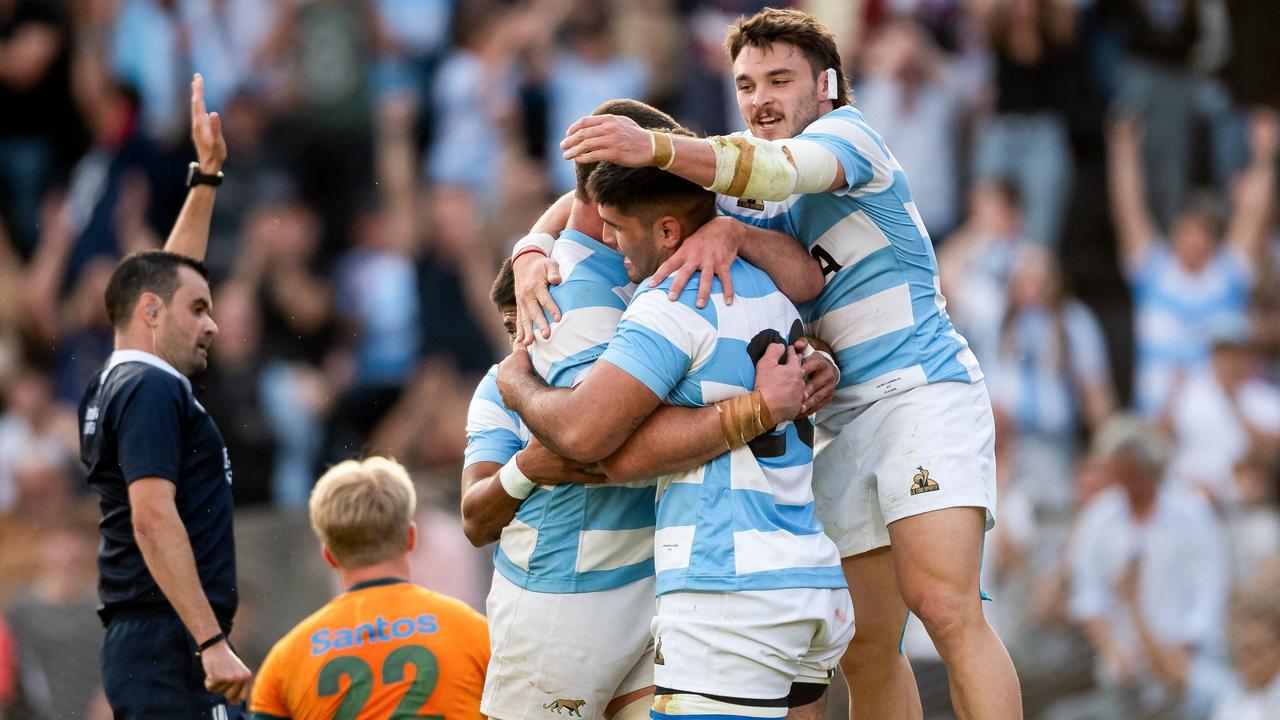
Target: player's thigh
{"points": [[932, 448], [877, 602], [562, 650], [149, 670], [844, 489], [746, 645], [938, 560]]}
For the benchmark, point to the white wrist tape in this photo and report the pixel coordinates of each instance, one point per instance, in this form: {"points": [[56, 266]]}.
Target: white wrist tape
{"points": [[542, 241], [514, 480], [749, 167]]}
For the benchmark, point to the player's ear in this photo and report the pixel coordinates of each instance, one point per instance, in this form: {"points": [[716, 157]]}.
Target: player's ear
{"points": [[668, 231], [412, 541], [328, 557]]}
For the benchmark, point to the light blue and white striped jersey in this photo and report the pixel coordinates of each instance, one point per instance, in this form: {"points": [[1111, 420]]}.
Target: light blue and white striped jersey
{"points": [[569, 538], [881, 309], [1174, 313], [743, 521]]}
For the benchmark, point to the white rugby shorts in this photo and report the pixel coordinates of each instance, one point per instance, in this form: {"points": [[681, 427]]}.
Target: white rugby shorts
{"points": [[928, 448], [571, 652], [752, 643]]}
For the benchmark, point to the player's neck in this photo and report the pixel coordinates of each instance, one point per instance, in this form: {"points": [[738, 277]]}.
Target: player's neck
{"points": [[141, 340], [584, 218], [397, 568]]}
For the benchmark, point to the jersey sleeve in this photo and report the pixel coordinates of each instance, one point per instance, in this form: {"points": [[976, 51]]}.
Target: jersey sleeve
{"points": [[149, 430], [268, 699], [494, 433], [590, 313], [868, 166], [659, 341]]}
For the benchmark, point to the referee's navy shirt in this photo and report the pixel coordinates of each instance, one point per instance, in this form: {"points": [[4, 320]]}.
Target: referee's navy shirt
{"points": [[138, 419]]}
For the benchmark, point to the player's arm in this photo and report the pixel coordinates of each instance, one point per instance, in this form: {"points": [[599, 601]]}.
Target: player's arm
{"points": [[673, 438], [1134, 226], [190, 234], [492, 492], [166, 549], [535, 270]]}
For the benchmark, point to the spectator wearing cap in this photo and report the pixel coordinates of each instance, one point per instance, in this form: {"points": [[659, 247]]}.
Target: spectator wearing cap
{"points": [[1149, 583], [1222, 413]]}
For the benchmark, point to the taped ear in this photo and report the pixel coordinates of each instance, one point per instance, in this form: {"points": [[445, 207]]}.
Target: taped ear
{"points": [[833, 91]]}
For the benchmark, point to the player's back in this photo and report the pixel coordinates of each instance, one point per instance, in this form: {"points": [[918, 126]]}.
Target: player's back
{"points": [[383, 649]]}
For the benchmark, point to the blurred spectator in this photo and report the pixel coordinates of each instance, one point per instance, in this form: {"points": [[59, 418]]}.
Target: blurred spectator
{"points": [[1026, 138], [1255, 653], [1223, 413], [706, 100], [32, 421], [1173, 45], [56, 627], [976, 260], [8, 670], [1253, 523], [589, 73], [1046, 363], [230, 391], [1150, 581], [295, 303], [39, 128], [1197, 279], [911, 93]]}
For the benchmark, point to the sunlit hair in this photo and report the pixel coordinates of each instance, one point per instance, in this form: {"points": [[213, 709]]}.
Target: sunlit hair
{"points": [[362, 510]]}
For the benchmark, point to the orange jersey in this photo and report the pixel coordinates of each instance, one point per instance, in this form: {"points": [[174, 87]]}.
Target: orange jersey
{"points": [[384, 649]]}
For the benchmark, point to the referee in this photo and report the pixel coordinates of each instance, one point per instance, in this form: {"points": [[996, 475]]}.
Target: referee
{"points": [[156, 458]]}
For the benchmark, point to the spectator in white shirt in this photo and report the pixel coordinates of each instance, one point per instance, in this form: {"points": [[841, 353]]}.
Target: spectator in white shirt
{"points": [[1253, 524], [1149, 583], [1222, 413]]}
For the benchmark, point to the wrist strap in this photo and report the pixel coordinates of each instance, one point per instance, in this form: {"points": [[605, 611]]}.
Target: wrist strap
{"points": [[744, 418], [540, 241], [514, 481], [529, 250], [664, 149], [210, 642]]}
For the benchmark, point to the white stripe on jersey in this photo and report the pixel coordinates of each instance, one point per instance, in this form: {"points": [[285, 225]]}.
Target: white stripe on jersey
{"points": [[485, 415], [852, 239], [789, 485], [867, 319], [749, 314], [882, 166], [517, 542], [678, 323], [672, 547], [609, 549], [757, 551], [578, 330]]}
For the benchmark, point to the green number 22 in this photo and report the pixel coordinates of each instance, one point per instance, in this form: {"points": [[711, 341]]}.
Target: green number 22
{"points": [[426, 675]]}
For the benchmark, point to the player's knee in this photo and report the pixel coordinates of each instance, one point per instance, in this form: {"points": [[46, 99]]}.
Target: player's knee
{"points": [[947, 613]]}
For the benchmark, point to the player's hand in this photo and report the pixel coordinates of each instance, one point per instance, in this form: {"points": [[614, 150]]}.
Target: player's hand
{"points": [[820, 378], [611, 138], [547, 468], [225, 674], [534, 274], [782, 385], [206, 131], [711, 249], [512, 370]]}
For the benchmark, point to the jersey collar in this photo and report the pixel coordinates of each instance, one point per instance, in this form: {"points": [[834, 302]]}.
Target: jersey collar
{"points": [[119, 357], [376, 583]]}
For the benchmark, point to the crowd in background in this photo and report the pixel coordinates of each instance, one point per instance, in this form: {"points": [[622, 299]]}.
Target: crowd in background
{"points": [[1098, 177]]}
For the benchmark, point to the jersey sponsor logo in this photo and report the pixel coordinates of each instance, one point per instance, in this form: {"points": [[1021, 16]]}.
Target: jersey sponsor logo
{"points": [[922, 483], [749, 204], [378, 631], [91, 420], [657, 653], [573, 706], [226, 463]]}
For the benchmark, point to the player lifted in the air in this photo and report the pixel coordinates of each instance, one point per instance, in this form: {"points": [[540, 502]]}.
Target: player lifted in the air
{"points": [[911, 403]]}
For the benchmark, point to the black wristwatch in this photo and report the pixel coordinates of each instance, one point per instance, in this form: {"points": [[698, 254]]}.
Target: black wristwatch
{"points": [[195, 177]]}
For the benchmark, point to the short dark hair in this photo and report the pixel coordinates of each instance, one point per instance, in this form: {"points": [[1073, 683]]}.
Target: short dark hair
{"points": [[793, 27], [145, 271], [648, 193], [503, 291], [645, 115]]}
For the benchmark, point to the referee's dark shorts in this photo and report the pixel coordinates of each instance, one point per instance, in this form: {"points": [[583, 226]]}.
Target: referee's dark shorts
{"points": [[150, 670]]}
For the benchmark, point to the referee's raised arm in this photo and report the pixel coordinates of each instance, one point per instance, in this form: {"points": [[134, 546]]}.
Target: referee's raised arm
{"points": [[167, 582]]}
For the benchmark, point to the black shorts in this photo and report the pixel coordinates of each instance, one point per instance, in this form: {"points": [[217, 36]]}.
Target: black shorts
{"points": [[150, 672]]}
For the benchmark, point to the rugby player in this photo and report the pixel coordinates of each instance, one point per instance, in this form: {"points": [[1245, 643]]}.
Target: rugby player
{"points": [[736, 535], [905, 475], [385, 647], [572, 552]]}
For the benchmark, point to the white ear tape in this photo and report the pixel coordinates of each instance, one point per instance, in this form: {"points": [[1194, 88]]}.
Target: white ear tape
{"points": [[833, 92]]}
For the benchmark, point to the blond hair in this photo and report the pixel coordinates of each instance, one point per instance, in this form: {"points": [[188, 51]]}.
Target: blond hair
{"points": [[361, 510]]}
